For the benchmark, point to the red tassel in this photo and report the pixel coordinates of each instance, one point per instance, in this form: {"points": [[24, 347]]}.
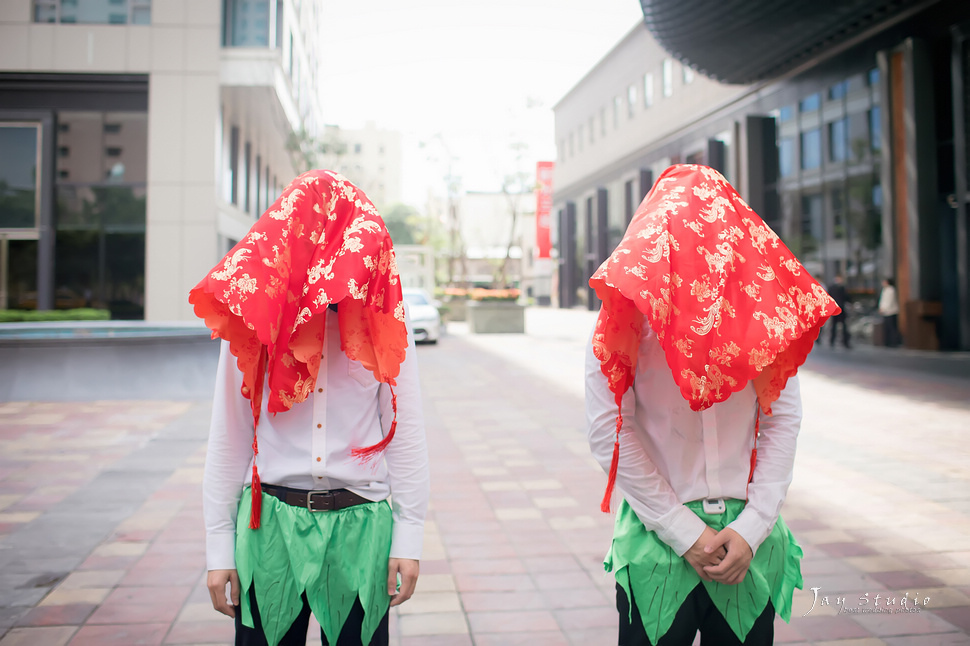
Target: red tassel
{"points": [[615, 463], [754, 451], [611, 480], [257, 505], [367, 453]]}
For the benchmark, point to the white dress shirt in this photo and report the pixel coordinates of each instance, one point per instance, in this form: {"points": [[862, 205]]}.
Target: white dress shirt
{"points": [[670, 455], [308, 446]]}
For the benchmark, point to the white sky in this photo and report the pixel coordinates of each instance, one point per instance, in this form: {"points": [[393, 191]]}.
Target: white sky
{"points": [[481, 74]]}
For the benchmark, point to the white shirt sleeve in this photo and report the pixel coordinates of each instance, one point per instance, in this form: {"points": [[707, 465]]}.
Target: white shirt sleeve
{"points": [[228, 457], [407, 459], [643, 487], [773, 470]]}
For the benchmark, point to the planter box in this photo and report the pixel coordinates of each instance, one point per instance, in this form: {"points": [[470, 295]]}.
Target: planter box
{"points": [[456, 309], [491, 317]]}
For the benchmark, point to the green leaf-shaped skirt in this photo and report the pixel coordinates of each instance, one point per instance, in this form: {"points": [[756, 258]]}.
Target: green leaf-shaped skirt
{"points": [[661, 580], [333, 556]]}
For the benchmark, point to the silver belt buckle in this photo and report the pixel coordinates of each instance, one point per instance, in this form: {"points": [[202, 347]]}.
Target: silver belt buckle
{"points": [[309, 499], [714, 506]]}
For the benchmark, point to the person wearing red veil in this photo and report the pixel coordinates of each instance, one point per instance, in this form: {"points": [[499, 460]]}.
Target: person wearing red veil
{"points": [[693, 409], [316, 423]]}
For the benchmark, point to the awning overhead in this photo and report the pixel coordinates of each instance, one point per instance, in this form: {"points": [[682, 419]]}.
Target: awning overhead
{"points": [[744, 41]]}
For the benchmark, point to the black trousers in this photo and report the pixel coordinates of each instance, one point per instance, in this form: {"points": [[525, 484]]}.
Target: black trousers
{"points": [[698, 612], [296, 635], [891, 330], [834, 323]]}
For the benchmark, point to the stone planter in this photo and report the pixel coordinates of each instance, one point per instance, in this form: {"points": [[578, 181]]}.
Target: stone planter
{"points": [[490, 317], [456, 309]]}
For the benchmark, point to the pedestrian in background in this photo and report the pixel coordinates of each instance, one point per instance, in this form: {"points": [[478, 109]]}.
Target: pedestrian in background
{"points": [[838, 293], [889, 310], [298, 473], [693, 408]]}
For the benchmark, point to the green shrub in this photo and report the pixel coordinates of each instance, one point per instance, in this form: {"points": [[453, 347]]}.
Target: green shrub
{"points": [[79, 314]]}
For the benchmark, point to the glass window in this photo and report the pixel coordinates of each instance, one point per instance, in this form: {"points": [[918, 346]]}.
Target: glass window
{"points": [[786, 113], [247, 23], [838, 140], [874, 77], [247, 175], [19, 175], [258, 199], [838, 91], [631, 100], [811, 141], [234, 165], [837, 198], [688, 75], [812, 215], [100, 212], [647, 90], [786, 157], [22, 275], [809, 103], [99, 12], [875, 129], [667, 69]]}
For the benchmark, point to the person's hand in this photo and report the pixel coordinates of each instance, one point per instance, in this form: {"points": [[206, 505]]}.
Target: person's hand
{"points": [[733, 567], [408, 569], [699, 557], [216, 582]]}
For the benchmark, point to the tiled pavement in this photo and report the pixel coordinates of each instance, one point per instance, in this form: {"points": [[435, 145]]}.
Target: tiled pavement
{"points": [[101, 539]]}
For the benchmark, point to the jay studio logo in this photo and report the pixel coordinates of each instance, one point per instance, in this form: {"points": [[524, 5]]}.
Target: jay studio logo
{"points": [[887, 604]]}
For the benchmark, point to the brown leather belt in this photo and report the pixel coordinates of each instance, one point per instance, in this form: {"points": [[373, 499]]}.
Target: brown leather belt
{"points": [[331, 500]]}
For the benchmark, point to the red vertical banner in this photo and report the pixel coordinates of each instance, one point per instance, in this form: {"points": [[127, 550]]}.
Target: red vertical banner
{"points": [[543, 208]]}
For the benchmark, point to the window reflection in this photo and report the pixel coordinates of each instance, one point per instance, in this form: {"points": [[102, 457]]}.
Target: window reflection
{"points": [[18, 175], [100, 212]]}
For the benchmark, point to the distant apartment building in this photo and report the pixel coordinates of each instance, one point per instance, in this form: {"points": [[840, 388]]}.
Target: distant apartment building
{"points": [[140, 139], [371, 158], [853, 151]]}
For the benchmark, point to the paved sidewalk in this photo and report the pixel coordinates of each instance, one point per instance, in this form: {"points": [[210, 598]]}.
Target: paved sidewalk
{"points": [[101, 538]]}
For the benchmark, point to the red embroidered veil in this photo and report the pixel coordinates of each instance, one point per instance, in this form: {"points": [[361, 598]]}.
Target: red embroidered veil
{"points": [[321, 242], [727, 299]]}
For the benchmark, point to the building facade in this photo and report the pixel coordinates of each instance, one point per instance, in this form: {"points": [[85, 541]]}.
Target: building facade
{"points": [[140, 140], [849, 156]]}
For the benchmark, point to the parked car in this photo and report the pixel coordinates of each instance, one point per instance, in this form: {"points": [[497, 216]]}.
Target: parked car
{"points": [[425, 318]]}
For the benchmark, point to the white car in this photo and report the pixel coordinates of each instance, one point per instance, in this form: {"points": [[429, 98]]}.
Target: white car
{"points": [[425, 318]]}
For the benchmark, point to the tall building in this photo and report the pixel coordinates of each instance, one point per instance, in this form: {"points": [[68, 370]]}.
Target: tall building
{"points": [[139, 141], [846, 131]]}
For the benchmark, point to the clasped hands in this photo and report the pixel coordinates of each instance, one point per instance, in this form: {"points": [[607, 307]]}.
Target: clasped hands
{"points": [[722, 556]]}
